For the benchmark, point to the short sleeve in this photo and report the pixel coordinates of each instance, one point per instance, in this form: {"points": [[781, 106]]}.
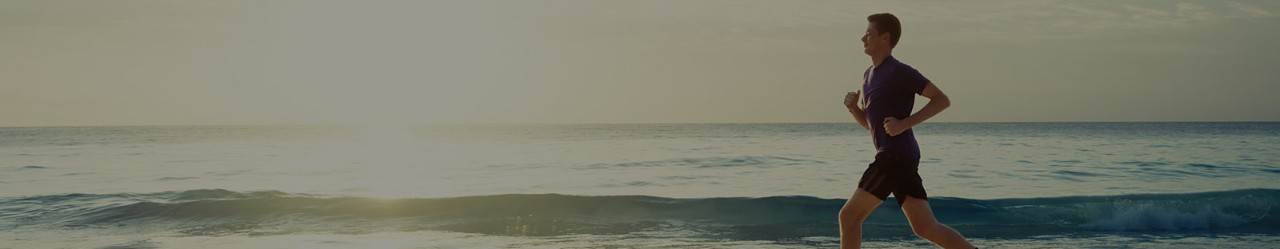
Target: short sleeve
{"points": [[914, 81]]}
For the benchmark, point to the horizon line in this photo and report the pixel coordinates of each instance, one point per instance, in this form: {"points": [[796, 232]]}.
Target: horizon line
{"points": [[576, 123]]}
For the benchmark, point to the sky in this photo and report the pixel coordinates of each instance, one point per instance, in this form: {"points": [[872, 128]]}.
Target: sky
{"points": [[652, 61]]}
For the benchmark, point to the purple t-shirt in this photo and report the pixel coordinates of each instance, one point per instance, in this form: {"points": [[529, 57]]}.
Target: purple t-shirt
{"points": [[890, 91]]}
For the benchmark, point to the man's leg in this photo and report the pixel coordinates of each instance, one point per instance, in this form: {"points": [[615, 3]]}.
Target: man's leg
{"points": [[924, 225], [852, 214]]}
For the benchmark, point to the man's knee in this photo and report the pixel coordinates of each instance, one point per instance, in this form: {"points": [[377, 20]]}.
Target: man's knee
{"points": [[858, 208], [851, 215]]}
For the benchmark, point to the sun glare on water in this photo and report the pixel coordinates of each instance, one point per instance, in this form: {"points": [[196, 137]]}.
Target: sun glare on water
{"points": [[386, 154]]}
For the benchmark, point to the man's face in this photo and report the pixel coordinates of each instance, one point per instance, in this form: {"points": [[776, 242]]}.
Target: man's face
{"points": [[873, 41]]}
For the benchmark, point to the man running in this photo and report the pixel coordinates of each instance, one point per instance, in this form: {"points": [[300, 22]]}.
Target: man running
{"points": [[890, 87]]}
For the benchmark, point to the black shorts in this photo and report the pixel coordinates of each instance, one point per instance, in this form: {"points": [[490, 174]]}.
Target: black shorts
{"points": [[893, 174]]}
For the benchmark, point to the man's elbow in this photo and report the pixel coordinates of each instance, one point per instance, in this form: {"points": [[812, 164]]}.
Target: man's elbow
{"points": [[943, 101]]}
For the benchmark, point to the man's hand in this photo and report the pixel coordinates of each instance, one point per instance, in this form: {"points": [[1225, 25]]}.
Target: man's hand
{"points": [[851, 101], [893, 126]]}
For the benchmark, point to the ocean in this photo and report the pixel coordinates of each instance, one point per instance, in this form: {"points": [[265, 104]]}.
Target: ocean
{"points": [[1003, 185]]}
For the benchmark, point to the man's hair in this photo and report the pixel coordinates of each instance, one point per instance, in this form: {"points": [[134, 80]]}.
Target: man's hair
{"points": [[885, 22]]}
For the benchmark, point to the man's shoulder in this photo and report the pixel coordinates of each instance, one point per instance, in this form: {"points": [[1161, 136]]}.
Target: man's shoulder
{"points": [[907, 77], [899, 65], [901, 68]]}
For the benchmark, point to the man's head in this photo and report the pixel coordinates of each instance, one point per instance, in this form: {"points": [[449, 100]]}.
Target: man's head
{"points": [[883, 32]]}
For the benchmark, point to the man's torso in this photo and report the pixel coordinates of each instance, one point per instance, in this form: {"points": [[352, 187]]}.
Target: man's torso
{"points": [[889, 91]]}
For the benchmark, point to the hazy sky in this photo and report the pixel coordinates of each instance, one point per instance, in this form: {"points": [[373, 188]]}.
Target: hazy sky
{"points": [[637, 61]]}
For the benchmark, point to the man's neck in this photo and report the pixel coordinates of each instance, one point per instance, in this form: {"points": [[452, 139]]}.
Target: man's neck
{"points": [[878, 59]]}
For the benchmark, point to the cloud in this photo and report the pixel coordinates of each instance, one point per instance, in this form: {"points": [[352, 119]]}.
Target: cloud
{"points": [[1251, 10], [1140, 11], [1149, 18], [1194, 11], [1091, 12]]}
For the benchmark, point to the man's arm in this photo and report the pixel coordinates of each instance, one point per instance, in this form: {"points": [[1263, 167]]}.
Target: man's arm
{"points": [[938, 101], [851, 102]]}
